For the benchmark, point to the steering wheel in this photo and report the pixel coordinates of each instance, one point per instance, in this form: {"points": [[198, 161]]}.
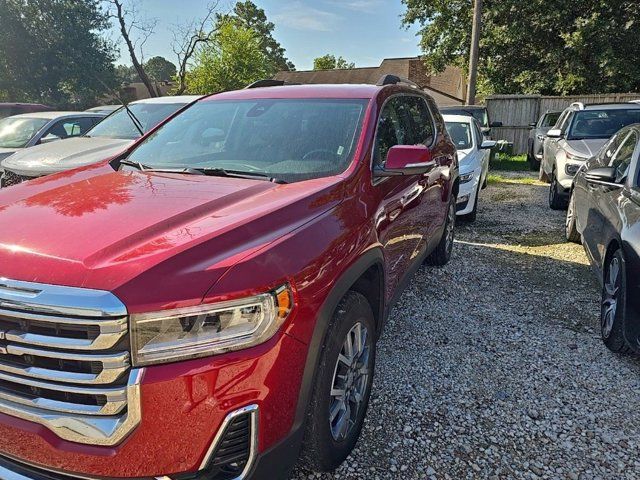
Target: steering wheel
{"points": [[322, 151]]}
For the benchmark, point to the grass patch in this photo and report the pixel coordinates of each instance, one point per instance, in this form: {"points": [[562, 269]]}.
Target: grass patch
{"points": [[512, 163], [494, 178]]}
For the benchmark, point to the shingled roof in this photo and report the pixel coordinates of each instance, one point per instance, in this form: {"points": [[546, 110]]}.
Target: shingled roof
{"points": [[447, 88]]}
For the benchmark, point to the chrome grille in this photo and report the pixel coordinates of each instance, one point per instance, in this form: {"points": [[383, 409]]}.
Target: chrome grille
{"points": [[9, 178], [64, 361]]}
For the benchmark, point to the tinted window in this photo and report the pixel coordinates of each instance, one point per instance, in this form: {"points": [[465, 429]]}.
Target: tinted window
{"points": [[121, 125], [601, 123], [292, 140], [460, 133], [622, 158], [550, 119], [70, 127], [393, 129], [420, 117]]}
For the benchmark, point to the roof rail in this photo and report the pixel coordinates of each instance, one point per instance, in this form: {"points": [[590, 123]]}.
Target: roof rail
{"points": [[269, 82], [389, 79], [578, 105]]}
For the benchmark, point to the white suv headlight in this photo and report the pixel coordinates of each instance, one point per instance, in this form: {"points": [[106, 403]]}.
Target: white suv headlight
{"points": [[204, 330], [466, 177]]}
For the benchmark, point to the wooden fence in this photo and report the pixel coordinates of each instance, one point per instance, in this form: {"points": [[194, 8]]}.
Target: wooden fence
{"points": [[516, 112]]}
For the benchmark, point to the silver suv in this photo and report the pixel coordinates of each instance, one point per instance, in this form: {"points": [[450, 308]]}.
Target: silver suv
{"points": [[579, 133]]}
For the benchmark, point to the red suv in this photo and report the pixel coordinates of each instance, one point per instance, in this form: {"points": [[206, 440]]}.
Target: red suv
{"points": [[207, 304]]}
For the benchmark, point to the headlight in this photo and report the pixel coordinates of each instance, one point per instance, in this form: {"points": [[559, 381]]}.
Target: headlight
{"points": [[466, 177], [186, 333]]}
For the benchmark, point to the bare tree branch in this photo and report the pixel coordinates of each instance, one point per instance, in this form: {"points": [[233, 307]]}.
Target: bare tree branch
{"points": [[187, 38], [147, 29]]}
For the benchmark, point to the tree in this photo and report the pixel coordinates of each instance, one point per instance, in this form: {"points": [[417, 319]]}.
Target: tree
{"points": [[248, 15], [144, 28], [330, 62], [188, 38], [233, 59], [51, 52], [160, 69], [529, 47]]}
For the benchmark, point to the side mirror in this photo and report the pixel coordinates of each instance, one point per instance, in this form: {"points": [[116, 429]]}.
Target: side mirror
{"points": [[49, 138], [532, 125], [495, 124], [601, 175], [406, 160], [554, 133], [486, 130], [488, 144]]}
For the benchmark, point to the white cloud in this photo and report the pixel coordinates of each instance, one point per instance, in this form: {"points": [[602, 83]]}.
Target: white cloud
{"points": [[365, 6], [302, 17]]}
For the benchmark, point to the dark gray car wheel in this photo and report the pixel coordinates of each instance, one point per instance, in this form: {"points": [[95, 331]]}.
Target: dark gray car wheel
{"points": [[613, 306]]}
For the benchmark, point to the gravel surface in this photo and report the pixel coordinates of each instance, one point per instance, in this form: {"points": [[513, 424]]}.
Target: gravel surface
{"points": [[492, 367]]}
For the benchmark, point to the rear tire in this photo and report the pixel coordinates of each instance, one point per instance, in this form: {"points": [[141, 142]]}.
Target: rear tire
{"points": [[334, 420], [613, 309], [442, 254], [570, 230], [556, 201]]}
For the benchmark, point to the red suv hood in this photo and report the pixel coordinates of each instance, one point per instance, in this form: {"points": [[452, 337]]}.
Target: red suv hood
{"points": [[99, 228]]}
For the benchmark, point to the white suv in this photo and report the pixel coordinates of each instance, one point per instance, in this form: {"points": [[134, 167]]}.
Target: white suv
{"points": [[579, 133]]}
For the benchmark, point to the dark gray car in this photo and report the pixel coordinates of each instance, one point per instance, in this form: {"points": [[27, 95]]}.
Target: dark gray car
{"points": [[536, 137]]}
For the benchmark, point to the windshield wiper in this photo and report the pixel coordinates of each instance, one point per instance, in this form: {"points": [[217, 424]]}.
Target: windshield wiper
{"points": [[221, 172], [148, 168]]}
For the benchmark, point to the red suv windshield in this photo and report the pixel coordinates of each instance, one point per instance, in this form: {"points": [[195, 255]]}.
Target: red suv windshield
{"points": [[294, 140]]}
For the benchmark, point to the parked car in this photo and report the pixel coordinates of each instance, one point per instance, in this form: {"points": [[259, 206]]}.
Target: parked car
{"points": [[10, 109], [604, 212], [110, 137], [208, 302], [479, 112], [22, 131], [579, 133], [473, 157], [106, 109], [536, 137]]}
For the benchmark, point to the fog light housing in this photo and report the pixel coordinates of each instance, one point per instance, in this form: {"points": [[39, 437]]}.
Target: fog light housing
{"points": [[463, 198], [571, 169]]}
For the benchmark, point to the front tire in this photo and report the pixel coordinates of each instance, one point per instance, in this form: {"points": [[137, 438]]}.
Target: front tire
{"points": [[471, 217], [613, 305], [343, 385], [534, 164], [556, 201], [570, 230], [442, 254]]}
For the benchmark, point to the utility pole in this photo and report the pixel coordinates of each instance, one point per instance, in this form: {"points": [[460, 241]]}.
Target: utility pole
{"points": [[473, 56]]}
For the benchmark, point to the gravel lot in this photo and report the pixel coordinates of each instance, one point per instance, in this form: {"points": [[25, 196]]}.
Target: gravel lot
{"points": [[492, 367]]}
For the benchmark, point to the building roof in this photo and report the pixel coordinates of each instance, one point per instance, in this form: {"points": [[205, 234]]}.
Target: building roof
{"points": [[447, 87]]}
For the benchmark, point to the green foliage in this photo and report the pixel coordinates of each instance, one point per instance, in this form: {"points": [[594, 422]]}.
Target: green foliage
{"points": [[330, 62], [160, 69], [534, 46], [51, 52], [247, 15], [231, 61], [511, 163]]}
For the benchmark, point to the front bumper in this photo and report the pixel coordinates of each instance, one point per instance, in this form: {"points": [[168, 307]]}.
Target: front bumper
{"points": [[184, 407], [468, 196]]}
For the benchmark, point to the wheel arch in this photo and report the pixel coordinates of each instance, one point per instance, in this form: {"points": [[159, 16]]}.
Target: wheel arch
{"points": [[366, 276]]}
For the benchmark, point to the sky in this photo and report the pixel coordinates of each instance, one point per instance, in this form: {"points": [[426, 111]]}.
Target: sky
{"points": [[362, 31]]}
